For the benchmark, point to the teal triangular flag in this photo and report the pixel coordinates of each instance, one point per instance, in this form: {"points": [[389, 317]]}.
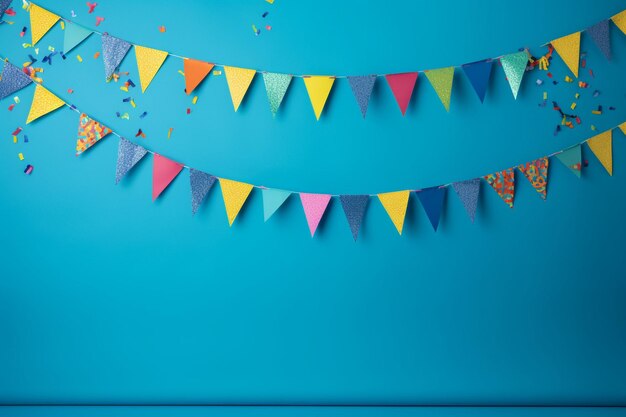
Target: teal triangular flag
{"points": [[74, 34], [572, 158], [276, 86], [514, 66], [272, 200]]}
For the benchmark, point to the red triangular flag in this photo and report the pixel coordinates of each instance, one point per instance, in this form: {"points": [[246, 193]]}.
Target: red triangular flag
{"points": [[402, 86], [195, 71], [163, 172]]}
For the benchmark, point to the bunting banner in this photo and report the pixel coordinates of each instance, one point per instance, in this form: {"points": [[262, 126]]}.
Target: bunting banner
{"points": [[238, 79], [478, 74], [200, 184], [4, 5], [74, 35], [395, 204], [620, 21], [113, 52], [514, 66], [41, 21], [314, 206], [600, 35], [148, 62], [402, 86], [362, 87], [432, 200], [128, 155], [163, 173], [601, 145], [537, 173], [89, 132], [441, 80], [276, 86], [503, 183], [12, 80], [43, 103], [572, 158], [354, 208], [468, 191], [568, 47], [318, 88], [235, 194], [195, 72], [272, 200]]}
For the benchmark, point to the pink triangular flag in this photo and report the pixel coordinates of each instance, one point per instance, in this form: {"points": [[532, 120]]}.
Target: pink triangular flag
{"points": [[314, 207], [163, 172], [402, 86]]}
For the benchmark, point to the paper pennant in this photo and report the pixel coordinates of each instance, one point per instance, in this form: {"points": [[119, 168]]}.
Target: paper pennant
{"points": [[113, 52], [620, 21], [74, 35], [514, 66], [238, 79], [318, 87], [402, 86], [478, 74], [601, 146], [395, 204], [148, 62], [504, 184], [89, 132], [468, 194], [4, 5], [572, 158], [568, 48], [600, 35], [201, 184], [314, 206], [432, 200], [622, 126], [195, 71], [163, 173], [13, 79], [128, 154], [354, 208], [43, 103], [362, 87], [41, 20], [276, 86], [441, 80], [235, 194], [537, 173], [272, 200]]}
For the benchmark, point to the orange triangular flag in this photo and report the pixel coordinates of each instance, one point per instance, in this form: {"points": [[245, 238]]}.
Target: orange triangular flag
{"points": [[43, 103], [195, 71], [568, 48], [41, 20], [602, 147], [148, 62]]}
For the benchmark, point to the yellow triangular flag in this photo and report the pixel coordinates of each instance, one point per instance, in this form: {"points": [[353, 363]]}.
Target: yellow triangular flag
{"points": [[318, 87], [148, 62], [623, 127], [568, 47], [441, 80], [620, 21], [41, 20], [395, 204], [235, 194], [601, 146], [43, 103], [239, 80]]}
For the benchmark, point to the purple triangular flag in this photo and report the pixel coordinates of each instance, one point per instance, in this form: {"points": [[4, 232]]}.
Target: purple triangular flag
{"points": [[354, 207], [468, 194], [201, 184], [432, 200], [113, 51], [478, 73], [128, 154], [4, 5], [362, 87], [600, 35], [13, 79]]}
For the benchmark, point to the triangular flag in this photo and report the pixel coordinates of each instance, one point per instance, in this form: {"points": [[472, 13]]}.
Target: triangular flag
{"points": [[620, 21], [4, 5], [395, 204], [318, 87], [468, 191], [163, 173], [478, 74], [537, 173], [354, 208], [113, 52], [74, 35], [195, 71], [514, 66], [600, 35], [314, 207], [504, 184], [402, 86], [362, 87], [568, 48], [128, 154], [441, 80], [601, 146], [41, 20], [272, 200], [238, 80], [572, 158], [201, 184], [235, 194], [43, 103], [13, 79], [622, 126], [276, 86], [432, 200], [89, 132], [148, 62]]}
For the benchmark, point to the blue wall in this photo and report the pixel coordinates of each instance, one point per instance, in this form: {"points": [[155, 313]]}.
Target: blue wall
{"points": [[106, 297]]}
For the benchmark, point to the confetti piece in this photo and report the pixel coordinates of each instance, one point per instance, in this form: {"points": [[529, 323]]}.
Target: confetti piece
{"points": [[96, 55], [142, 115], [62, 25], [132, 103], [577, 120], [21, 156], [550, 74], [17, 131], [591, 73], [593, 127], [125, 116], [124, 88], [568, 79], [16, 99], [169, 132], [51, 48], [582, 84], [91, 6], [79, 58], [270, 1], [162, 29], [539, 82], [70, 91], [545, 95], [577, 95], [126, 100], [583, 63], [73, 13], [99, 20], [9, 11], [268, 27], [597, 112], [181, 73], [194, 100], [256, 31], [23, 32], [11, 107], [611, 108], [596, 93], [25, 139], [188, 111], [573, 106], [14, 139], [28, 170], [217, 72]]}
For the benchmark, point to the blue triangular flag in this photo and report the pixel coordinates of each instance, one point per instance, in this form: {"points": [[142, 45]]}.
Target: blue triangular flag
{"points": [[13, 79], [4, 5], [128, 154], [362, 87], [201, 184], [478, 74], [432, 200], [468, 194], [354, 207], [113, 51], [74, 34], [272, 200], [600, 35], [572, 158]]}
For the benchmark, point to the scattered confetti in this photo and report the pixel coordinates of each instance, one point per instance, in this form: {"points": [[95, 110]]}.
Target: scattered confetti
{"points": [[23, 32], [142, 115], [194, 100], [188, 111], [539, 82], [79, 58], [568, 79], [70, 91], [73, 13], [91, 6], [11, 107], [162, 29], [268, 27], [217, 72], [96, 55], [596, 93], [582, 84], [62, 25], [99, 20], [28, 170], [270, 1], [21, 156], [140, 133], [9, 11], [256, 31], [593, 127], [169, 132], [17, 131], [16, 99], [25, 139], [265, 14], [132, 103], [545, 95], [14, 139], [573, 106], [577, 95]]}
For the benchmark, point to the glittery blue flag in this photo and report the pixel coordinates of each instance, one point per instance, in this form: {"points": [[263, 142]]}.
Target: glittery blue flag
{"points": [[113, 51], [600, 35], [201, 184], [13, 79], [128, 154], [272, 200], [432, 200], [468, 194], [4, 5], [478, 74], [354, 207], [74, 35], [362, 87]]}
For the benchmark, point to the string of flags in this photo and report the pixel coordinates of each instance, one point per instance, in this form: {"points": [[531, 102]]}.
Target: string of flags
{"points": [[318, 87], [235, 193]]}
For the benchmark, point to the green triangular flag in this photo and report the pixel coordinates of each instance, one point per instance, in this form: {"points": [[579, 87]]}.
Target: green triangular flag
{"points": [[514, 66], [74, 34], [572, 159], [441, 80], [276, 86], [272, 200]]}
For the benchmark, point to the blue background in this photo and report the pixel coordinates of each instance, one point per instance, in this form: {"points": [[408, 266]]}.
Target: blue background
{"points": [[107, 297]]}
